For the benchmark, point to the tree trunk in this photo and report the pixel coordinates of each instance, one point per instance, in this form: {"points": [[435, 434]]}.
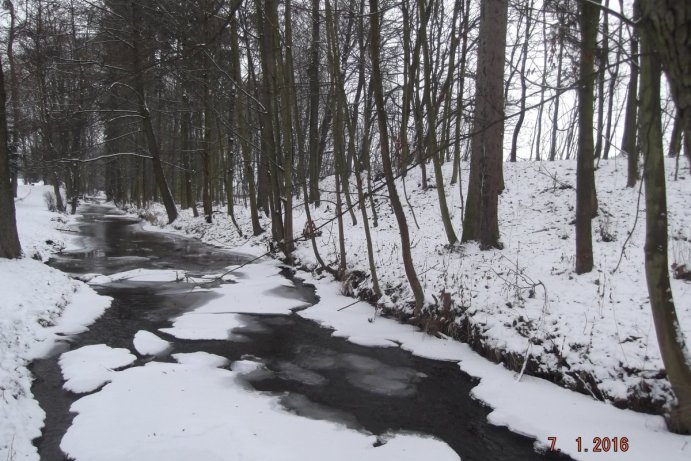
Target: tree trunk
{"points": [[585, 175], [555, 117], [313, 71], [657, 37], [147, 127], [243, 135], [481, 221], [524, 86], [602, 64], [628, 141], [432, 147], [375, 42], [9, 240]]}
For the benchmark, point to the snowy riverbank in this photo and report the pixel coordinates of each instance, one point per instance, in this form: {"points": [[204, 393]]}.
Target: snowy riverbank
{"points": [[592, 332], [38, 306]]}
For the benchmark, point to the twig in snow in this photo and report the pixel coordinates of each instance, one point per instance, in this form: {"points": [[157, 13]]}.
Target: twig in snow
{"points": [[635, 221], [346, 307]]}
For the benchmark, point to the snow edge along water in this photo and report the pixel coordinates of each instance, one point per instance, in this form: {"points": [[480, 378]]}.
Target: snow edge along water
{"points": [[40, 308]]}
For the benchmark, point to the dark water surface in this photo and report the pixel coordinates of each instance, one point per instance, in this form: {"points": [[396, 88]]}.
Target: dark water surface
{"points": [[317, 376]]}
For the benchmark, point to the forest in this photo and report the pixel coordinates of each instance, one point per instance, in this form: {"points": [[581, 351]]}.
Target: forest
{"points": [[320, 128]]}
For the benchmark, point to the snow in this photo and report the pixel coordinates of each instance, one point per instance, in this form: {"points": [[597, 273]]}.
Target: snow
{"points": [[255, 294], [39, 308], [147, 343], [137, 275], [595, 327], [89, 367], [194, 410], [531, 406], [597, 324]]}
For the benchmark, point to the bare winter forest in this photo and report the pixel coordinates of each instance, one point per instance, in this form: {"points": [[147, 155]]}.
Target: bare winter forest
{"points": [[512, 174]]}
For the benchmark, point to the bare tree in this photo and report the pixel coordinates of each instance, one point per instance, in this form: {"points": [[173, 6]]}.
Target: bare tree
{"points": [[663, 41], [9, 240], [585, 182], [481, 221]]}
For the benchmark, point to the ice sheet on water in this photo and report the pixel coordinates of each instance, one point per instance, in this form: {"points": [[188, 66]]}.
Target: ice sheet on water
{"points": [[362, 372], [374, 376], [291, 372], [302, 406], [250, 325], [316, 358]]}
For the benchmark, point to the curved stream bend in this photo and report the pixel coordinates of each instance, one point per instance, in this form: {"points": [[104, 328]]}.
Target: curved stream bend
{"points": [[372, 390]]}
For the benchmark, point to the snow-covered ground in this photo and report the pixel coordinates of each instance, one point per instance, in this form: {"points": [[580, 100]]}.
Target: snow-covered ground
{"points": [[593, 332], [596, 328], [201, 406], [38, 306]]}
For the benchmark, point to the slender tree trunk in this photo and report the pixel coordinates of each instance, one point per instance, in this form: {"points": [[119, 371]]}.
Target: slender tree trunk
{"points": [[145, 115], [524, 86], [543, 85], [585, 178], [287, 95], [313, 71], [460, 106], [602, 64], [432, 108], [658, 35], [675, 139], [628, 141], [375, 43], [555, 117], [243, 133]]}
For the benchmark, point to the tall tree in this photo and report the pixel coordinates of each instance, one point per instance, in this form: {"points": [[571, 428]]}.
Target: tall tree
{"points": [[664, 39], [481, 221], [585, 175], [628, 141], [375, 44], [9, 240], [138, 69], [314, 161]]}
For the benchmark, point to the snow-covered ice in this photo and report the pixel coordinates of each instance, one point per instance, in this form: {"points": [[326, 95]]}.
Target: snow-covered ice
{"points": [[147, 343], [252, 295], [194, 410], [531, 406], [89, 367]]}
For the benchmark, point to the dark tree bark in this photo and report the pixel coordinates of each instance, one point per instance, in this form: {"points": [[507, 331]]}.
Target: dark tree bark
{"points": [[9, 240], [145, 115], [603, 59], [675, 138], [585, 179], [481, 221], [664, 38], [628, 141], [375, 41], [314, 161]]}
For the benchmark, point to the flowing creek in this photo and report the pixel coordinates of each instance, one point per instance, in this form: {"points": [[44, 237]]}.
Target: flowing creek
{"points": [[317, 376]]}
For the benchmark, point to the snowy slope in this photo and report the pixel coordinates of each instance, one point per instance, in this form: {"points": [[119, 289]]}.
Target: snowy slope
{"points": [[592, 332], [37, 304]]}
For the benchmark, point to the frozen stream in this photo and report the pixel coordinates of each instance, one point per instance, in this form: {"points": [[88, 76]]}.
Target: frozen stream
{"points": [[283, 374]]}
